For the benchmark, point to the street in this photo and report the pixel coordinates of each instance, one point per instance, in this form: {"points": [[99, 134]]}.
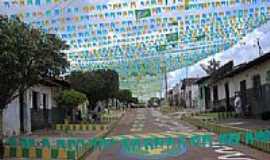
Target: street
{"points": [[135, 79], [143, 122]]}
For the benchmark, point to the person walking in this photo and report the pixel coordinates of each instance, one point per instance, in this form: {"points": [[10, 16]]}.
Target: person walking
{"points": [[238, 104]]}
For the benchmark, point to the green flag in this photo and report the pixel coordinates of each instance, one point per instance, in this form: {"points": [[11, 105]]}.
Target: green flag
{"points": [[172, 37], [143, 13], [161, 47]]}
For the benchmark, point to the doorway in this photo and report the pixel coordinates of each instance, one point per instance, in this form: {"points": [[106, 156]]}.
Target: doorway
{"points": [[45, 110], [227, 95], [243, 94], [207, 97]]}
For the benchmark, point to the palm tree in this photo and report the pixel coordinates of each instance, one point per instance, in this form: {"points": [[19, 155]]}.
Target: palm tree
{"points": [[211, 67]]}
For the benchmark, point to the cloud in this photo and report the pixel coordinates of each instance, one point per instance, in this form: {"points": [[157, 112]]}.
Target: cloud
{"points": [[243, 51]]}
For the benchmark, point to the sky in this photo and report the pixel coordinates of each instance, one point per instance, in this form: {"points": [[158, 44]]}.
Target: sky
{"points": [[244, 51]]}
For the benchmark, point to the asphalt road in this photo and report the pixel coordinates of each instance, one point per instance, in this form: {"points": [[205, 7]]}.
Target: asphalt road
{"points": [[150, 122]]}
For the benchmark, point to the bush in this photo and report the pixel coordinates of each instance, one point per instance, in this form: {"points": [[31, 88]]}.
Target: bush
{"points": [[266, 115], [71, 98]]}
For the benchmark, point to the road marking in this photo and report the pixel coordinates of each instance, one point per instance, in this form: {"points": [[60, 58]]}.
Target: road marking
{"points": [[157, 135], [170, 135], [229, 153], [138, 123]]}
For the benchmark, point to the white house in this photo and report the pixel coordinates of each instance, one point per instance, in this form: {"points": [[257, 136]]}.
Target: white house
{"points": [[191, 92], [251, 80], [39, 109]]}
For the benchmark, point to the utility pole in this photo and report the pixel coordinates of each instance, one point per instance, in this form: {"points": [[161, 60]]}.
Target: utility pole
{"points": [[259, 46], [166, 83], [164, 71]]}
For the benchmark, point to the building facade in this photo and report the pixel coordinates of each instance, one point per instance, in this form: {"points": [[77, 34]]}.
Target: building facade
{"points": [[250, 80], [38, 110], [185, 94], [189, 92]]}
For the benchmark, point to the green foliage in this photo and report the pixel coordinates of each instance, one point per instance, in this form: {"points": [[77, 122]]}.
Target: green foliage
{"points": [[134, 100], [70, 98], [27, 55], [124, 95], [97, 85], [153, 100]]}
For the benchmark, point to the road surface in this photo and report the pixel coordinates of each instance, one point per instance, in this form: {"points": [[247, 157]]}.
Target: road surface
{"points": [[146, 122]]}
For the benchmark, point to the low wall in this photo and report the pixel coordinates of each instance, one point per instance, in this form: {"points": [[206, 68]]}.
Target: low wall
{"points": [[218, 128]]}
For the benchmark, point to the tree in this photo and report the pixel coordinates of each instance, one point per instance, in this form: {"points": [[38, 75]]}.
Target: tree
{"points": [[124, 95], [211, 67], [135, 100], [98, 85], [27, 55], [69, 99]]}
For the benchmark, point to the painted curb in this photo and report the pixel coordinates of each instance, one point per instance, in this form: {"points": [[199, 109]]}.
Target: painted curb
{"points": [[218, 128]]}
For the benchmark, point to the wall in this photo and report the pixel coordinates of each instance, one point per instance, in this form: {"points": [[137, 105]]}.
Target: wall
{"points": [[33, 119], [194, 96], [38, 116], [201, 97], [11, 118], [234, 82], [257, 105]]}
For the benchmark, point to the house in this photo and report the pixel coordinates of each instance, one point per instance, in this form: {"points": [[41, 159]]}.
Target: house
{"points": [[251, 80], [208, 91], [189, 92], [204, 98], [173, 95], [185, 94], [39, 109]]}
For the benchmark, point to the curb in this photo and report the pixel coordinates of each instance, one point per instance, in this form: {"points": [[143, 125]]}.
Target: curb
{"points": [[102, 135], [81, 127], [218, 128], [35, 152]]}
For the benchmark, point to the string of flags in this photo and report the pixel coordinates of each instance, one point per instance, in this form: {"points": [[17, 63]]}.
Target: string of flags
{"points": [[138, 37]]}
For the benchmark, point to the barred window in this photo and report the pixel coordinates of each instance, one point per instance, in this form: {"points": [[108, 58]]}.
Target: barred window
{"points": [[268, 76]]}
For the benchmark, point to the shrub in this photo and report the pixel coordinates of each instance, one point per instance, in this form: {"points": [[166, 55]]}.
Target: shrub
{"points": [[266, 115]]}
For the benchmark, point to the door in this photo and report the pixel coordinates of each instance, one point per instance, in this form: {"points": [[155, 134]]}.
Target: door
{"points": [[190, 99], [257, 91], [207, 97], [243, 94], [45, 109], [227, 95]]}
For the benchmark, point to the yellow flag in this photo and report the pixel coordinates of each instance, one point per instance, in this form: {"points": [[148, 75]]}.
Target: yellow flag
{"points": [[186, 4]]}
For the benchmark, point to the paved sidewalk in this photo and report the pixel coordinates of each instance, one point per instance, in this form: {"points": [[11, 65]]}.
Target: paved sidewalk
{"points": [[253, 124]]}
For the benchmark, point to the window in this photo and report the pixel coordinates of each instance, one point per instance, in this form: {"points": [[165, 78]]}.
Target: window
{"points": [[215, 93], [257, 85], [268, 76], [256, 81]]}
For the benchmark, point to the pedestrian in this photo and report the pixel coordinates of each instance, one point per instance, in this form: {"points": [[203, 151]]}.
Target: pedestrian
{"points": [[238, 104]]}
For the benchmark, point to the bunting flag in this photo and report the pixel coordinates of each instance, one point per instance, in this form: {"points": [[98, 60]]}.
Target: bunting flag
{"points": [[186, 4], [139, 39], [142, 13], [172, 37]]}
